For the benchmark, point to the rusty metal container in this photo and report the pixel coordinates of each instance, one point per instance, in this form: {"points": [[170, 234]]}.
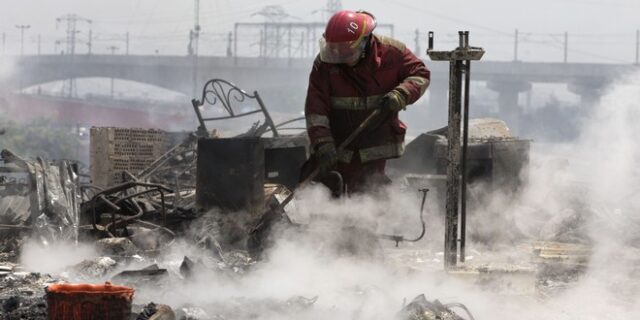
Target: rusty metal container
{"points": [[88, 302], [230, 174]]}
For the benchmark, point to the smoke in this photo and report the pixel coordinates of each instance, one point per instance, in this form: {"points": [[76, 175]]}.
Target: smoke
{"points": [[53, 258], [6, 67], [582, 192]]}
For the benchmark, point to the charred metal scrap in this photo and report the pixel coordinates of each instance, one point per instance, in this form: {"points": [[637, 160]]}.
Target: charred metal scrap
{"points": [[422, 309], [40, 196]]}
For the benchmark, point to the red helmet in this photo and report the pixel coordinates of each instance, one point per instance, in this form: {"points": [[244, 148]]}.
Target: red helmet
{"points": [[345, 38]]}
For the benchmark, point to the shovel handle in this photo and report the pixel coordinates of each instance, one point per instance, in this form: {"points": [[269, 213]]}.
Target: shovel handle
{"points": [[341, 147]]}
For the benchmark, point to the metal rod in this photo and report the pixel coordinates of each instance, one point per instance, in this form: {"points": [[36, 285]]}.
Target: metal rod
{"points": [[637, 45], [355, 134], [417, 40], [235, 44], [515, 47], [202, 129], [465, 142], [566, 45], [289, 44], [453, 166], [267, 116]]}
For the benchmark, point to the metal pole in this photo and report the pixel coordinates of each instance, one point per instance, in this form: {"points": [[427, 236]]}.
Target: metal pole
{"points": [[277, 41], [261, 43], [22, 27], [289, 45], [313, 42], [566, 44], [637, 45], [453, 166], [235, 44], [515, 47], [89, 44], [417, 40], [196, 35], [127, 46], [90, 41], [229, 43], [465, 143], [113, 52], [459, 62]]}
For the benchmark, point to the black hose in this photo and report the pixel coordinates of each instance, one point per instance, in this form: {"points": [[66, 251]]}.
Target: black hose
{"points": [[399, 238]]}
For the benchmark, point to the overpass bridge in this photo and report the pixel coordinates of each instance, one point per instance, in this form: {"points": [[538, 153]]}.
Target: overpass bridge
{"points": [[289, 75]]}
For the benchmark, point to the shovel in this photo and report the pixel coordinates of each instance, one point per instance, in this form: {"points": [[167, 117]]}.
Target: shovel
{"points": [[270, 215], [355, 134]]}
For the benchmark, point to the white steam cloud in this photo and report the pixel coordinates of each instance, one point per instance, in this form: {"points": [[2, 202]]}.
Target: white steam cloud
{"points": [[595, 179]]}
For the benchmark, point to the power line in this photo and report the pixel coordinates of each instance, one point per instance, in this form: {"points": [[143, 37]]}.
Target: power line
{"points": [[448, 18]]}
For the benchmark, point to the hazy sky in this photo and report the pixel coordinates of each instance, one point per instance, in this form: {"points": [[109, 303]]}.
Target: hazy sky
{"points": [[599, 30]]}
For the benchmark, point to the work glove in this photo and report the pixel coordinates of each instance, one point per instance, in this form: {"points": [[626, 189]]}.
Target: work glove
{"points": [[327, 157], [395, 100]]}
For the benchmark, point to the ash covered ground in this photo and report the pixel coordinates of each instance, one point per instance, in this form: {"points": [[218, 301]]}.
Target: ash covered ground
{"points": [[566, 247]]}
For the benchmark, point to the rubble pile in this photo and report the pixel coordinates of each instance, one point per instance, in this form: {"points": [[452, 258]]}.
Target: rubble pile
{"points": [[143, 210], [22, 293]]}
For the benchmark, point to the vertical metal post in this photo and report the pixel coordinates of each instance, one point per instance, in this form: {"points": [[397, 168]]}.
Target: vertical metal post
{"points": [[453, 166], [113, 52], [196, 40], [22, 27], [289, 45], [459, 62], [261, 43], [566, 45], [515, 46], [127, 45], [229, 43], [313, 42], [278, 41], [235, 44], [465, 142], [417, 39], [637, 45], [301, 46], [308, 43], [430, 42], [90, 40]]}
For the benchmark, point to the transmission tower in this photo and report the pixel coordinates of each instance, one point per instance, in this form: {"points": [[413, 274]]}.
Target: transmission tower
{"points": [[72, 21], [333, 6]]}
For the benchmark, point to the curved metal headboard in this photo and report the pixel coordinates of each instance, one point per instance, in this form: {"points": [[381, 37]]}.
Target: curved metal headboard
{"points": [[225, 93]]}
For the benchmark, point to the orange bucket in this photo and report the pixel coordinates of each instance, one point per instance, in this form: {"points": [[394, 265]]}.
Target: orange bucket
{"points": [[88, 302]]}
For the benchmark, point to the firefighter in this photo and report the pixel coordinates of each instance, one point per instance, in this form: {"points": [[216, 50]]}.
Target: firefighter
{"points": [[355, 73]]}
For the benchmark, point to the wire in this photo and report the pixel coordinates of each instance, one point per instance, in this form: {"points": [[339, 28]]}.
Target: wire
{"points": [[399, 238], [448, 18]]}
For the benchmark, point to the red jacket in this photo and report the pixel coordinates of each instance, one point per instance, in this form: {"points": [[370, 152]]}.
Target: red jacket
{"points": [[340, 97]]}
